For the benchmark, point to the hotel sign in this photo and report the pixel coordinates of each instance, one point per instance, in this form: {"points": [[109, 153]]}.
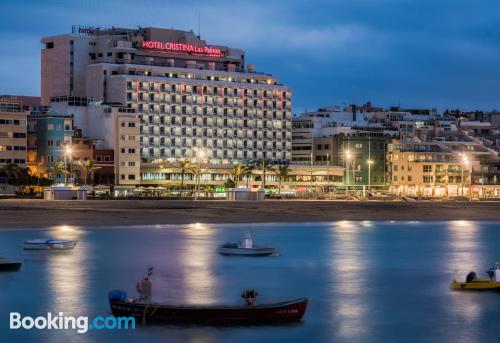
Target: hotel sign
{"points": [[182, 48]]}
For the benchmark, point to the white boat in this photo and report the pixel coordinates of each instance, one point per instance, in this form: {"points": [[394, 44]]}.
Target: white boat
{"points": [[49, 244], [245, 247]]}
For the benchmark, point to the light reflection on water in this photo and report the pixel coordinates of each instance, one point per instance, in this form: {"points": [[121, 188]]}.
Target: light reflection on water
{"points": [[199, 282], [366, 281], [349, 264], [466, 254]]}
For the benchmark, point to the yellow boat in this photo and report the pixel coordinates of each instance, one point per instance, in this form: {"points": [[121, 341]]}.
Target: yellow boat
{"points": [[477, 284], [472, 282]]}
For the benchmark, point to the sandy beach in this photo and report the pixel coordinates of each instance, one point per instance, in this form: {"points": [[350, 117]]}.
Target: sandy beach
{"points": [[23, 213]]}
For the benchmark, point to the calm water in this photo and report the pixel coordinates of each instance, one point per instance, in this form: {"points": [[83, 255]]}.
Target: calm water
{"points": [[366, 281]]}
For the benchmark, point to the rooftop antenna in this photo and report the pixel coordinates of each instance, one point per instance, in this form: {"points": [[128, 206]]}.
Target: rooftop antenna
{"points": [[199, 25]]}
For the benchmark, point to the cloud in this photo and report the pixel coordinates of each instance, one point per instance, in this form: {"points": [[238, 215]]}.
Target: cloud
{"points": [[427, 52]]}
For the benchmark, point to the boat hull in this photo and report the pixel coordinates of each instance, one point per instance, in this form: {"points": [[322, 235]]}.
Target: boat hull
{"points": [[10, 266], [476, 285], [278, 313], [248, 251], [56, 245]]}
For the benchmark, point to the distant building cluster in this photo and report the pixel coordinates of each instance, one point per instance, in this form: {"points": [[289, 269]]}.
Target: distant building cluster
{"points": [[413, 152], [128, 106]]}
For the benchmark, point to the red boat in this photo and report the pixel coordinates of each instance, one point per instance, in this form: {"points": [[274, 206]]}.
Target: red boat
{"points": [[248, 314]]}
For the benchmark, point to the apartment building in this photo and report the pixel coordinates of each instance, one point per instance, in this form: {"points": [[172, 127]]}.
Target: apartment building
{"points": [[429, 169], [13, 132]]}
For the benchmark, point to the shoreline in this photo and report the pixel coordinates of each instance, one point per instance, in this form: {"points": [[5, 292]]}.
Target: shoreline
{"points": [[28, 213]]}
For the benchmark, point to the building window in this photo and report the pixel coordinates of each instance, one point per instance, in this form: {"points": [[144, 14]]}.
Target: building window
{"points": [[427, 168]]}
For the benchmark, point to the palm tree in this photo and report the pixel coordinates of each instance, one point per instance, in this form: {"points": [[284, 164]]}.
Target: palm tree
{"points": [[264, 167], [12, 171], [183, 165], [282, 175], [248, 172], [238, 172], [58, 168], [88, 166], [209, 190], [197, 171]]}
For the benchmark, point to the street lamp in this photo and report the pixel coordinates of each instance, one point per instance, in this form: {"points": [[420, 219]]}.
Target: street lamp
{"points": [[369, 162], [67, 153], [328, 172], [200, 156], [347, 160], [465, 162]]}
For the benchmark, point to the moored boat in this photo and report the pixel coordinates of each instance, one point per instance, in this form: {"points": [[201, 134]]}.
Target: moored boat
{"points": [[245, 247], [261, 314], [7, 265], [250, 313], [49, 244], [472, 282]]}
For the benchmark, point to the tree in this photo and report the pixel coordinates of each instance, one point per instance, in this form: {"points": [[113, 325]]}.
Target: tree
{"points": [[209, 191], [88, 167], [229, 183], [238, 172], [12, 171], [264, 167], [249, 168], [58, 168], [18, 176], [183, 165], [282, 175], [197, 172]]}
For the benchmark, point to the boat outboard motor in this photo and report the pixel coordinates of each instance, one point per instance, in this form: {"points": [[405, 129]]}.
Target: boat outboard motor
{"points": [[471, 277], [117, 295], [494, 273], [249, 295]]}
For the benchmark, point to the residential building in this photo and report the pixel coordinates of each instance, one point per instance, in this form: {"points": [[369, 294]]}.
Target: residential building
{"points": [[429, 169], [49, 133], [12, 138]]}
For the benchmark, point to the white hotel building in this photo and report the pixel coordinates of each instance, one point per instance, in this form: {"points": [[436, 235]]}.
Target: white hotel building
{"points": [[187, 95]]}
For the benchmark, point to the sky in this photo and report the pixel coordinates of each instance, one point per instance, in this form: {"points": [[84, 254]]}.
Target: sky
{"points": [[413, 53]]}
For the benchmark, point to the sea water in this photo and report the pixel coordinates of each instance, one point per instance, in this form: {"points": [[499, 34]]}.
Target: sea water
{"points": [[366, 281]]}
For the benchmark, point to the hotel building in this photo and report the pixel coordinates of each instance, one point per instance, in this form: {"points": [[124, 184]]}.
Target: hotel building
{"points": [[187, 95]]}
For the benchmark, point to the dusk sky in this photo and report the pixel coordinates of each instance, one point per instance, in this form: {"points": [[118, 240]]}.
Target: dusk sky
{"points": [[425, 53]]}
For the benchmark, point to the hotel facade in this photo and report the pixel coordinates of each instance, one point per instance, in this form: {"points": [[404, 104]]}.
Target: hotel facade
{"points": [[188, 96]]}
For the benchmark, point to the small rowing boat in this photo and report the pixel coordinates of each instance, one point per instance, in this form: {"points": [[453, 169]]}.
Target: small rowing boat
{"points": [[249, 313], [49, 244]]}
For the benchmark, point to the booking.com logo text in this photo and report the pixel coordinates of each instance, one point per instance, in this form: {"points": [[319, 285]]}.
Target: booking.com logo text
{"points": [[61, 322]]}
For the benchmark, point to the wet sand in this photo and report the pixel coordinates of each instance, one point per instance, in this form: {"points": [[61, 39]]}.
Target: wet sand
{"points": [[23, 213]]}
